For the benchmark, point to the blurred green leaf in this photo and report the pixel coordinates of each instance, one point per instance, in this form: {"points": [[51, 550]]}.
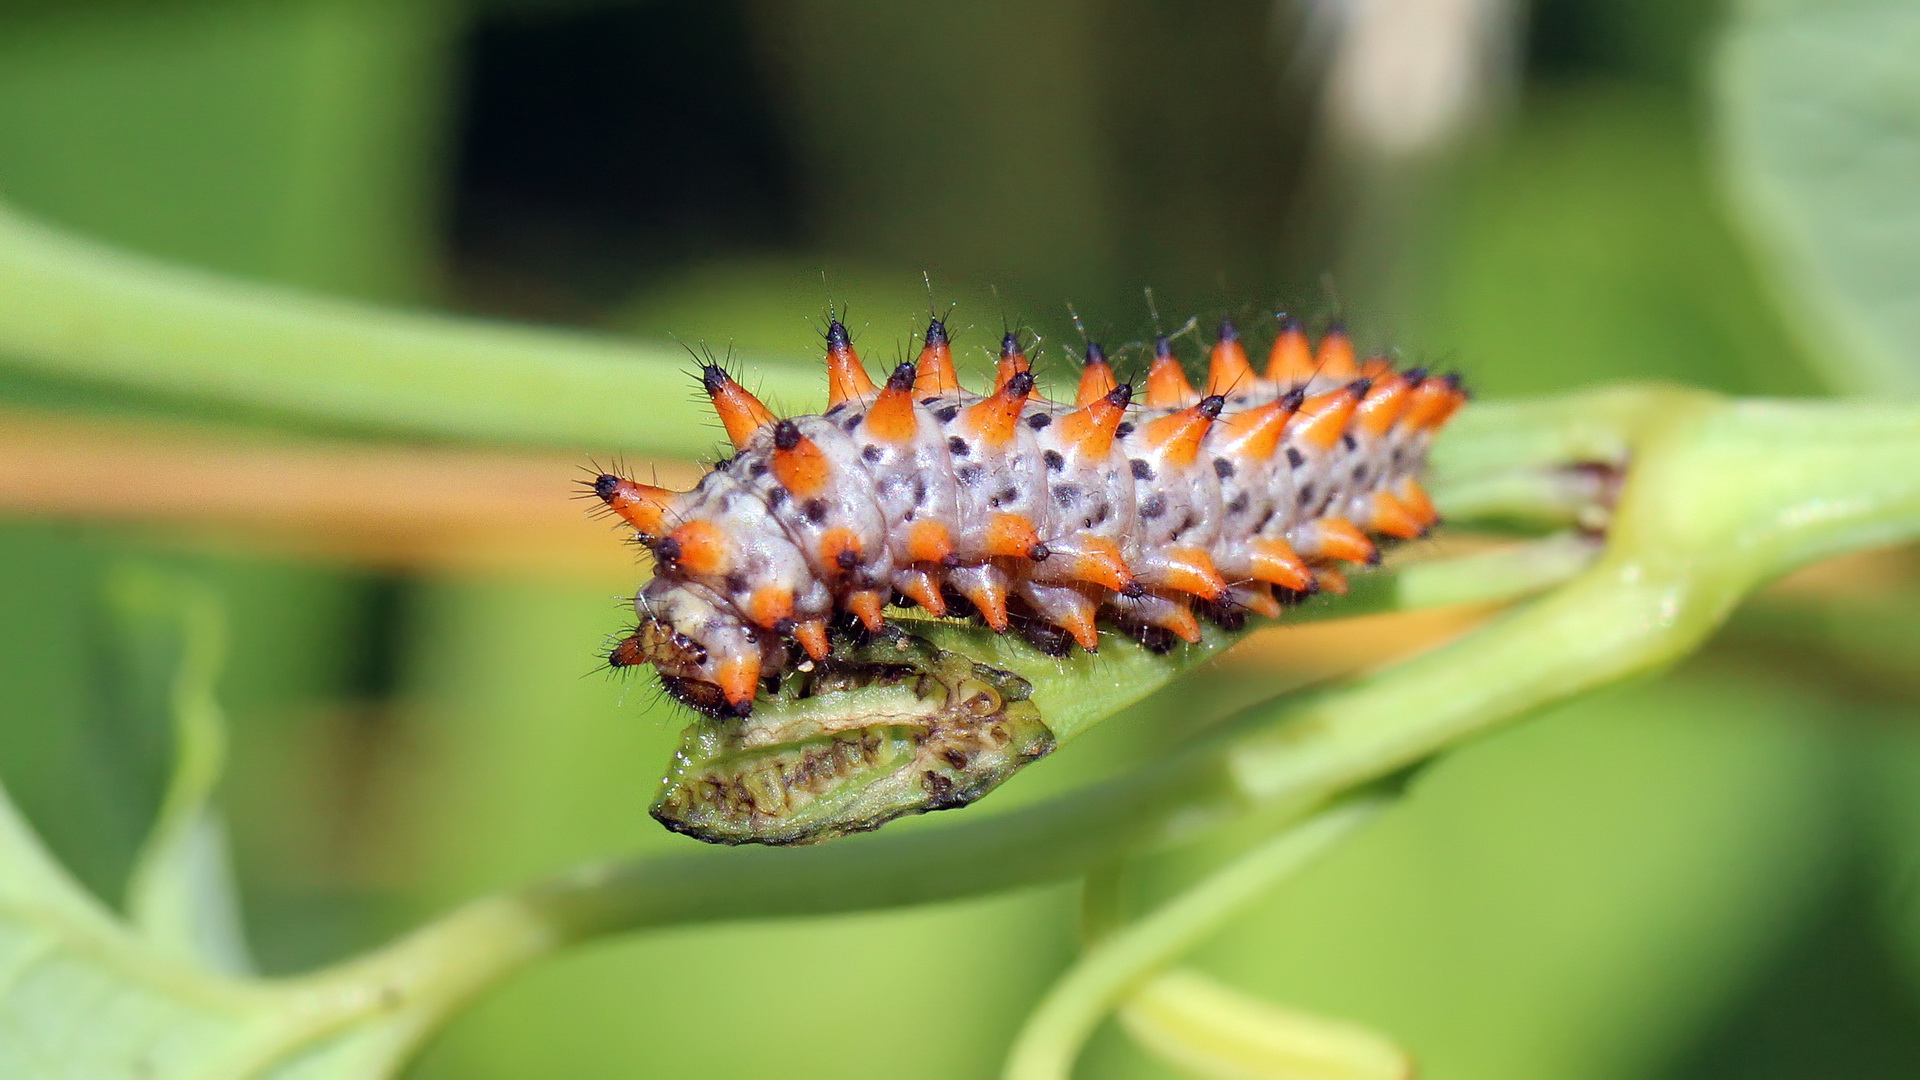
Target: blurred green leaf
{"points": [[1587, 246], [295, 141], [79, 1000], [84, 994], [1819, 103], [81, 995]]}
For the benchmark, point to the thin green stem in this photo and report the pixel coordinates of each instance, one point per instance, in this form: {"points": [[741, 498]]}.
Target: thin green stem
{"points": [[1205, 1028], [1114, 967], [178, 893]]}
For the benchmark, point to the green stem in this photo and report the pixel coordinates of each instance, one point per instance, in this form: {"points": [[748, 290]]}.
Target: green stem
{"points": [[1077, 692], [427, 975], [1060, 838], [178, 893], [1205, 1028], [1722, 496], [80, 310], [1114, 967]]}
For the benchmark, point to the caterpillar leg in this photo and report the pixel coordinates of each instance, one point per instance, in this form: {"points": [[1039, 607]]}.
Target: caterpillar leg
{"points": [[1071, 610]]}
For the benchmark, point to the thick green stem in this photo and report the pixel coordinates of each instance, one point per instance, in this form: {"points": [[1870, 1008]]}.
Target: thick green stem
{"points": [[1721, 497], [80, 310]]}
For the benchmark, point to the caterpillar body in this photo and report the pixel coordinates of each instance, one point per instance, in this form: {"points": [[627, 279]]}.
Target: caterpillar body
{"points": [[1050, 519]]}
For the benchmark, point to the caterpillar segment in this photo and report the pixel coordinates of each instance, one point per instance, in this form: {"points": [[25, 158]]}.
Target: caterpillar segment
{"points": [[740, 412], [847, 378], [640, 505], [935, 366], [1290, 361], [1096, 377], [1167, 385], [1228, 369], [1054, 520], [1013, 361]]}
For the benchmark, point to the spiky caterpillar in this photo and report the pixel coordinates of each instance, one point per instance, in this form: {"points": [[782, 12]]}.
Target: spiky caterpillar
{"points": [[1021, 512]]}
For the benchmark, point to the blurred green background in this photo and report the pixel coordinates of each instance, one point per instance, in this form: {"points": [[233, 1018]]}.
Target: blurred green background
{"points": [[1715, 874]]}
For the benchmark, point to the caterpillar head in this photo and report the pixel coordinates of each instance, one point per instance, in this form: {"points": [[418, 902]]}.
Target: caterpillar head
{"points": [[708, 656]]}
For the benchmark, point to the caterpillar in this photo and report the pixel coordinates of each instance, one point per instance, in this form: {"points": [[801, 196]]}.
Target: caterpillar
{"points": [[1047, 518]]}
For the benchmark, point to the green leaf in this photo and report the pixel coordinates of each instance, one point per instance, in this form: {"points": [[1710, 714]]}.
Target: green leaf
{"points": [[1819, 104], [86, 994], [79, 995]]}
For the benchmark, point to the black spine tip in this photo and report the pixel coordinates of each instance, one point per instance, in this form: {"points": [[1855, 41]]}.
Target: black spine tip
{"points": [[902, 377], [1096, 356], [1133, 590], [1359, 387], [1121, 395], [936, 332], [1454, 381], [1039, 552], [1228, 331], [837, 336], [1021, 384], [667, 550], [1415, 376], [786, 435], [1288, 323], [605, 485], [1010, 344], [1162, 347], [1337, 326], [1294, 398], [1210, 406], [714, 378]]}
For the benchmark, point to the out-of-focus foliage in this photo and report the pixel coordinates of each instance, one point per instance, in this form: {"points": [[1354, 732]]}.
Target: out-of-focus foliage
{"points": [[294, 141], [1705, 877], [1821, 127]]}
